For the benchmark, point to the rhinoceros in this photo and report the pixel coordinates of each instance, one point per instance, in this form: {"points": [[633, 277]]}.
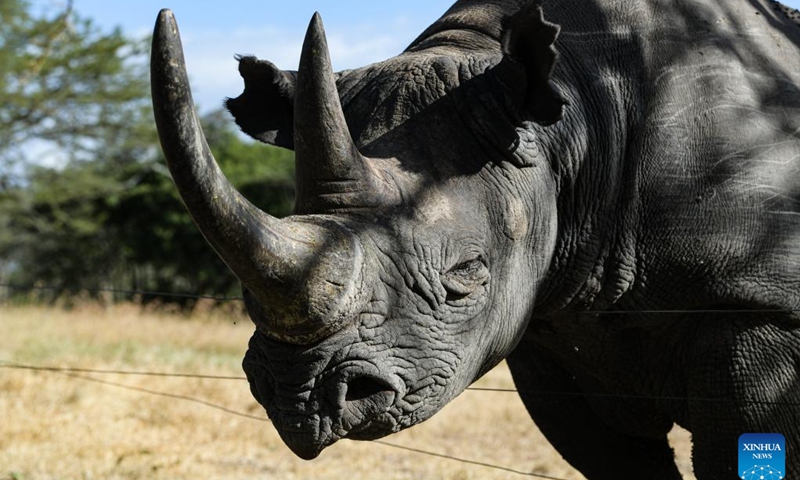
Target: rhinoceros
{"points": [[604, 193]]}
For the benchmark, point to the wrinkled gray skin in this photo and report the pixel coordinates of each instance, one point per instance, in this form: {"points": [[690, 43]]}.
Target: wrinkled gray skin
{"points": [[609, 221]]}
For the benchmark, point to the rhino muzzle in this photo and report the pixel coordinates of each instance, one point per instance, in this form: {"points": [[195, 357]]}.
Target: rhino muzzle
{"points": [[315, 399], [303, 276]]}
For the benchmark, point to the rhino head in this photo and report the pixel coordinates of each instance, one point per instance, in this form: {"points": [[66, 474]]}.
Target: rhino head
{"points": [[424, 225]]}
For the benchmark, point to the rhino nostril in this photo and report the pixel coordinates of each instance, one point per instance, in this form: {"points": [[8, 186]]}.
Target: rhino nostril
{"points": [[366, 399], [361, 388]]}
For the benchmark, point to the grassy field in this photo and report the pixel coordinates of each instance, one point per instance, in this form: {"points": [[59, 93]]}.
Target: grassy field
{"points": [[55, 425]]}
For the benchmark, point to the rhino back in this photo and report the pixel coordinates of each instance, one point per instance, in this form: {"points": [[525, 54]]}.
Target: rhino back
{"points": [[697, 113]]}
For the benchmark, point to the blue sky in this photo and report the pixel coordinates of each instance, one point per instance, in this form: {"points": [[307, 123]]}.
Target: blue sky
{"points": [[359, 31]]}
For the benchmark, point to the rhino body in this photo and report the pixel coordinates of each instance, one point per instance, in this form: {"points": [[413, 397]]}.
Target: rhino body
{"points": [[605, 193]]}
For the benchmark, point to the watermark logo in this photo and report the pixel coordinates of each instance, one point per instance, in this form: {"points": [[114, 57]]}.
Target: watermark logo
{"points": [[762, 456]]}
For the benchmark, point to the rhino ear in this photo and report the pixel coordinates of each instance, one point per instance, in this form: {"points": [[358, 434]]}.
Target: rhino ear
{"points": [[528, 40], [265, 110]]}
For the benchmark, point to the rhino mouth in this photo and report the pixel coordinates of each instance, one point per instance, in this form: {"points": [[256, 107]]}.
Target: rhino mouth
{"points": [[314, 400]]}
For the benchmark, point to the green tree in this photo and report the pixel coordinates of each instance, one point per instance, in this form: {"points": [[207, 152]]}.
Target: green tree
{"points": [[117, 222], [107, 214], [164, 251], [67, 90], [57, 227], [64, 85]]}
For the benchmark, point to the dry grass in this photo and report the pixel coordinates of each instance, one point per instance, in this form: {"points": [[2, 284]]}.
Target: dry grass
{"points": [[58, 426]]}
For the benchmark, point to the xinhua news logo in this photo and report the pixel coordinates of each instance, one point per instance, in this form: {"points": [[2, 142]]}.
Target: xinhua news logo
{"points": [[762, 456]]}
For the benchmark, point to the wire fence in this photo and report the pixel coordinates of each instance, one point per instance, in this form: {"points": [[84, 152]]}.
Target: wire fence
{"points": [[84, 374], [581, 313], [81, 374], [120, 291], [545, 393]]}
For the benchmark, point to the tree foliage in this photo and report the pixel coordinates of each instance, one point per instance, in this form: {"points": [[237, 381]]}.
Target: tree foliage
{"points": [[64, 84], [105, 224], [107, 216]]}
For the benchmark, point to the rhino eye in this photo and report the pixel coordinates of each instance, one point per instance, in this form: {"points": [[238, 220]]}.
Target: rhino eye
{"points": [[467, 268], [465, 278]]}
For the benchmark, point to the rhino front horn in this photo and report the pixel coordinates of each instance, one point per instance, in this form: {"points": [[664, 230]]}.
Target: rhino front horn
{"points": [[301, 278]]}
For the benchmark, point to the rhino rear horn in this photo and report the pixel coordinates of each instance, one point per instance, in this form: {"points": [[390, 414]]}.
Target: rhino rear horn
{"points": [[327, 159]]}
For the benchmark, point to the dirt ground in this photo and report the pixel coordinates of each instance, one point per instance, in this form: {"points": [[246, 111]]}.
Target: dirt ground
{"points": [[57, 425]]}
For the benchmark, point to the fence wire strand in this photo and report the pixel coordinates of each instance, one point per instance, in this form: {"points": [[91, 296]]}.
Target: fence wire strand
{"points": [[543, 393], [40, 368], [463, 460], [578, 313], [121, 291], [166, 394], [17, 366]]}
